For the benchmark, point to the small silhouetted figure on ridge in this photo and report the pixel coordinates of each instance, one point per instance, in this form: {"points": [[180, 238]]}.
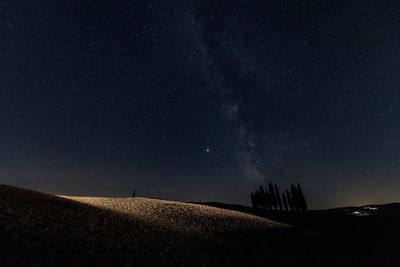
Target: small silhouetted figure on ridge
{"points": [[133, 193]]}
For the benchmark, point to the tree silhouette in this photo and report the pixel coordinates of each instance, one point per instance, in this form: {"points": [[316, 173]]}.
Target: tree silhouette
{"points": [[284, 200], [270, 198], [278, 197], [302, 199], [262, 197], [295, 197], [289, 200], [272, 194]]}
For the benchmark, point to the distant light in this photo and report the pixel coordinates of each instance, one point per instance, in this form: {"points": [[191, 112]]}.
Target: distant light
{"points": [[370, 208], [207, 150], [360, 213]]}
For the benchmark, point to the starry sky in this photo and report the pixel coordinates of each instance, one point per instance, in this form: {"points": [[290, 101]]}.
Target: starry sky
{"points": [[202, 100]]}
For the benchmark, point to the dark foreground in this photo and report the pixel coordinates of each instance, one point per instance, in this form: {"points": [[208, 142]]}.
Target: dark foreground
{"points": [[43, 230], [349, 239]]}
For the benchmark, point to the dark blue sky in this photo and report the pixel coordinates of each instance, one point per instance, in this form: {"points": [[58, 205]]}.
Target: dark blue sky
{"points": [[202, 100]]}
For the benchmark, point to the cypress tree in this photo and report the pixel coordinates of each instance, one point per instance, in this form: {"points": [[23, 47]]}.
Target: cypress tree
{"points": [[262, 197], [289, 200], [295, 197], [278, 197], [255, 199], [271, 190], [267, 198], [302, 199], [285, 203]]}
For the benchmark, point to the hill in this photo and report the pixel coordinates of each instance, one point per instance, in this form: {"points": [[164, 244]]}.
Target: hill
{"points": [[37, 229]]}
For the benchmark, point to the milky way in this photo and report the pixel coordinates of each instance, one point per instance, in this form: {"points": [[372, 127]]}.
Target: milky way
{"points": [[201, 100]]}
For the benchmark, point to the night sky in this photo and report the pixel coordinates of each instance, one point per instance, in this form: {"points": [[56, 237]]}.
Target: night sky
{"points": [[202, 100]]}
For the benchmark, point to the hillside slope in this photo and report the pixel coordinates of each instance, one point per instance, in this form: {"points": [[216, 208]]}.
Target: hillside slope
{"points": [[43, 230], [179, 216]]}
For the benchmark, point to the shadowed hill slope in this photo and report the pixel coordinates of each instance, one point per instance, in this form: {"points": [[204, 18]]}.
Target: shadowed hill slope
{"points": [[43, 230]]}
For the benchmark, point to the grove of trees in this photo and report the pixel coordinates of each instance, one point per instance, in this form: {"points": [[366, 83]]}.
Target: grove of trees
{"points": [[269, 198]]}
